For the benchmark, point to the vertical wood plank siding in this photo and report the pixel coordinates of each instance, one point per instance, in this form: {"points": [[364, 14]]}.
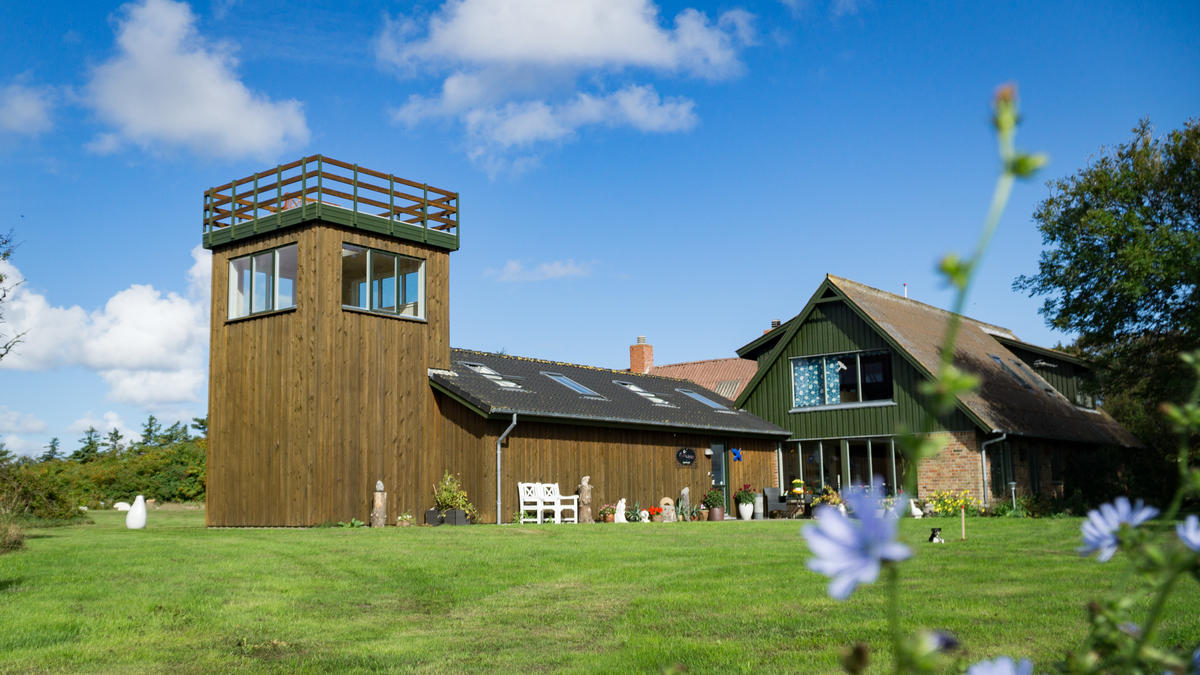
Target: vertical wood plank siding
{"points": [[831, 328], [638, 465], [308, 408], [1065, 376]]}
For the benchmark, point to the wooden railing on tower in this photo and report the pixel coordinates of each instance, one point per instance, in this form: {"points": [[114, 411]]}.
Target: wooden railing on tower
{"points": [[317, 181]]}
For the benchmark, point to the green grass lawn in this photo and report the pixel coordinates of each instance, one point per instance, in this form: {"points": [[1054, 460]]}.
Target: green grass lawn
{"points": [[640, 597]]}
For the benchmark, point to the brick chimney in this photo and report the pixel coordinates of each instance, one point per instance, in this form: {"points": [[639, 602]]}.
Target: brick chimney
{"points": [[641, 356], [775, 323]]}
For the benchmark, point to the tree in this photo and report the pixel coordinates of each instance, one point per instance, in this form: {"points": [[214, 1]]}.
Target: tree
{"points": [[52, 452], [151, 431], [1119, 268], [6, 342], [112, 441], [200, 424], [6, 455], [176, 433], [89, 446]]}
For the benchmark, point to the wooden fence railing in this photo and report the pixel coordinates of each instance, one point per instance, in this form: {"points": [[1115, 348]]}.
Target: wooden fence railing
{"points": [[325, 181]]}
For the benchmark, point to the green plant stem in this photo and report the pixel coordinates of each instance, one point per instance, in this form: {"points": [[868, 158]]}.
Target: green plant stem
{"points": [[1000, 195], [1155, 612], [893, 591]]}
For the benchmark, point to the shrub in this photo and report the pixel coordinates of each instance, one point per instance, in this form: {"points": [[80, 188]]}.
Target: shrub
{"points": [[949, 503], [449, 494]]}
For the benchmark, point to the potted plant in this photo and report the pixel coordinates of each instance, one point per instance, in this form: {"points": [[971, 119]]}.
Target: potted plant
{"points": [[450, 503], [829, 497], [608, 513], [715, 501], [745, 502], [634, 515], [800, 492], [404, 519], [656, 514]]}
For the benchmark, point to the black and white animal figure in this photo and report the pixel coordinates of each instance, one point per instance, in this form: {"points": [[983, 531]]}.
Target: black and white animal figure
{"points": [[935, 535]]}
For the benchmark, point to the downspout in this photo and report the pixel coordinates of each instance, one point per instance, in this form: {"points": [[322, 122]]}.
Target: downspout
{"points": [[983, 464], [498, 442]]}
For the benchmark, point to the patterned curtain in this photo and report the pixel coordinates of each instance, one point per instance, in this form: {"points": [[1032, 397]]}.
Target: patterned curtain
{"points": [[833, 390], [809, 382]]}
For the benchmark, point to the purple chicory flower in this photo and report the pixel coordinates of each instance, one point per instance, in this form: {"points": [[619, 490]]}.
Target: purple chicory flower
{"points": [[1002, 666], [851, 551], [1189, 533], [1100, 528]]}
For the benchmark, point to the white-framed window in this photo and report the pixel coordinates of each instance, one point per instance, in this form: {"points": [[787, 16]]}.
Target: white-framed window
{"points": [[704, 399], [383, 282], [842, 379], [262, 282], [653, 398], [572, 384], [490, 374]]}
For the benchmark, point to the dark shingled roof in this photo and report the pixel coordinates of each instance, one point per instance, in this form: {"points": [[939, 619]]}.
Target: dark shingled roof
{"points": [[1001, 403], [537, 395]]}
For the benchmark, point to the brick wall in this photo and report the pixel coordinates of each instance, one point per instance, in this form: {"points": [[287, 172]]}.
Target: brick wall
{"points": [[955, 468], [641, 356]]}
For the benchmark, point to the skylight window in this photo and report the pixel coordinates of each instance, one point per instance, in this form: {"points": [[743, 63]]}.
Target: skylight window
{"points": [[644, 394], [492, 375], [1012, 373], [705, 400], [1029, 376], [571, 384]]}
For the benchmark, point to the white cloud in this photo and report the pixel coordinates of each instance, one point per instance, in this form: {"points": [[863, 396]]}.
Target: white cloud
{"points": [[15, 422], [167, 86], [25, 110], [105, 423], [514, 270], [20, 445], [149, 346], [512, 68]]}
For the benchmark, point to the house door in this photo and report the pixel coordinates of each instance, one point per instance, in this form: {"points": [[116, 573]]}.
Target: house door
{"points": [[718, 470]]}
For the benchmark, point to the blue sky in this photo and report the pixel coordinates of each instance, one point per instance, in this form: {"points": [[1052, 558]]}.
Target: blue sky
{"points": [[684, 171]]}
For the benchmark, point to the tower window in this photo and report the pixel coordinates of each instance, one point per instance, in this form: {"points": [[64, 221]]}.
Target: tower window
{"points": [[262, 282], [378, 281]]}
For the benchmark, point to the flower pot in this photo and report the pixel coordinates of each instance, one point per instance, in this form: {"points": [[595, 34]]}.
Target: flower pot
{"points": [[456, 517], [746, 511], [610, 517], [656, 518], [403, 523], [433, 517], [716, 513]]}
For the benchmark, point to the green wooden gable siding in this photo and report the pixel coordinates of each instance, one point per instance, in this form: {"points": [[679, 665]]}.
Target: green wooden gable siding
{"points": [[1066, 377], [832, 327]]}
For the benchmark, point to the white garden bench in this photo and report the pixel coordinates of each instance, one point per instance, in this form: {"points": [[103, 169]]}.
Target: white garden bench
{"points": [[536, 499]]}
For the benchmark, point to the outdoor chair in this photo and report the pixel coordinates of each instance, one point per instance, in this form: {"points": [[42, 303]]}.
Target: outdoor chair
{"points": [[774, 501], [530, 501], [553, 500]]}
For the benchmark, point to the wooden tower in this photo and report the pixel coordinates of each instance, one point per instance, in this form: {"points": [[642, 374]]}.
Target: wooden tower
{"points": [[330, 293]]}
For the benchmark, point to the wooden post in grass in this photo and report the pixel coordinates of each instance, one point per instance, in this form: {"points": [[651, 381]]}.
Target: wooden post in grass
{"points": [[379, 508], [962, 517]]}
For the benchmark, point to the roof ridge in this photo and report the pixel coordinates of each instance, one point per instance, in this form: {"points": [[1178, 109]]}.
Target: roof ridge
{"points": [[688, 363], [926, 305], [563, 363]]}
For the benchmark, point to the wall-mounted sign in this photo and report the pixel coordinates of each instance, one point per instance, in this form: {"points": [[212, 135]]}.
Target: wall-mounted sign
{"points": [[686, 456]]}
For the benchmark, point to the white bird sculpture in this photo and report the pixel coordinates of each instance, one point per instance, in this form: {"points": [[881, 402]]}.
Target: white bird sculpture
{"points": [[136, 518], [912, 508], [619, 516], [121, 506]]}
